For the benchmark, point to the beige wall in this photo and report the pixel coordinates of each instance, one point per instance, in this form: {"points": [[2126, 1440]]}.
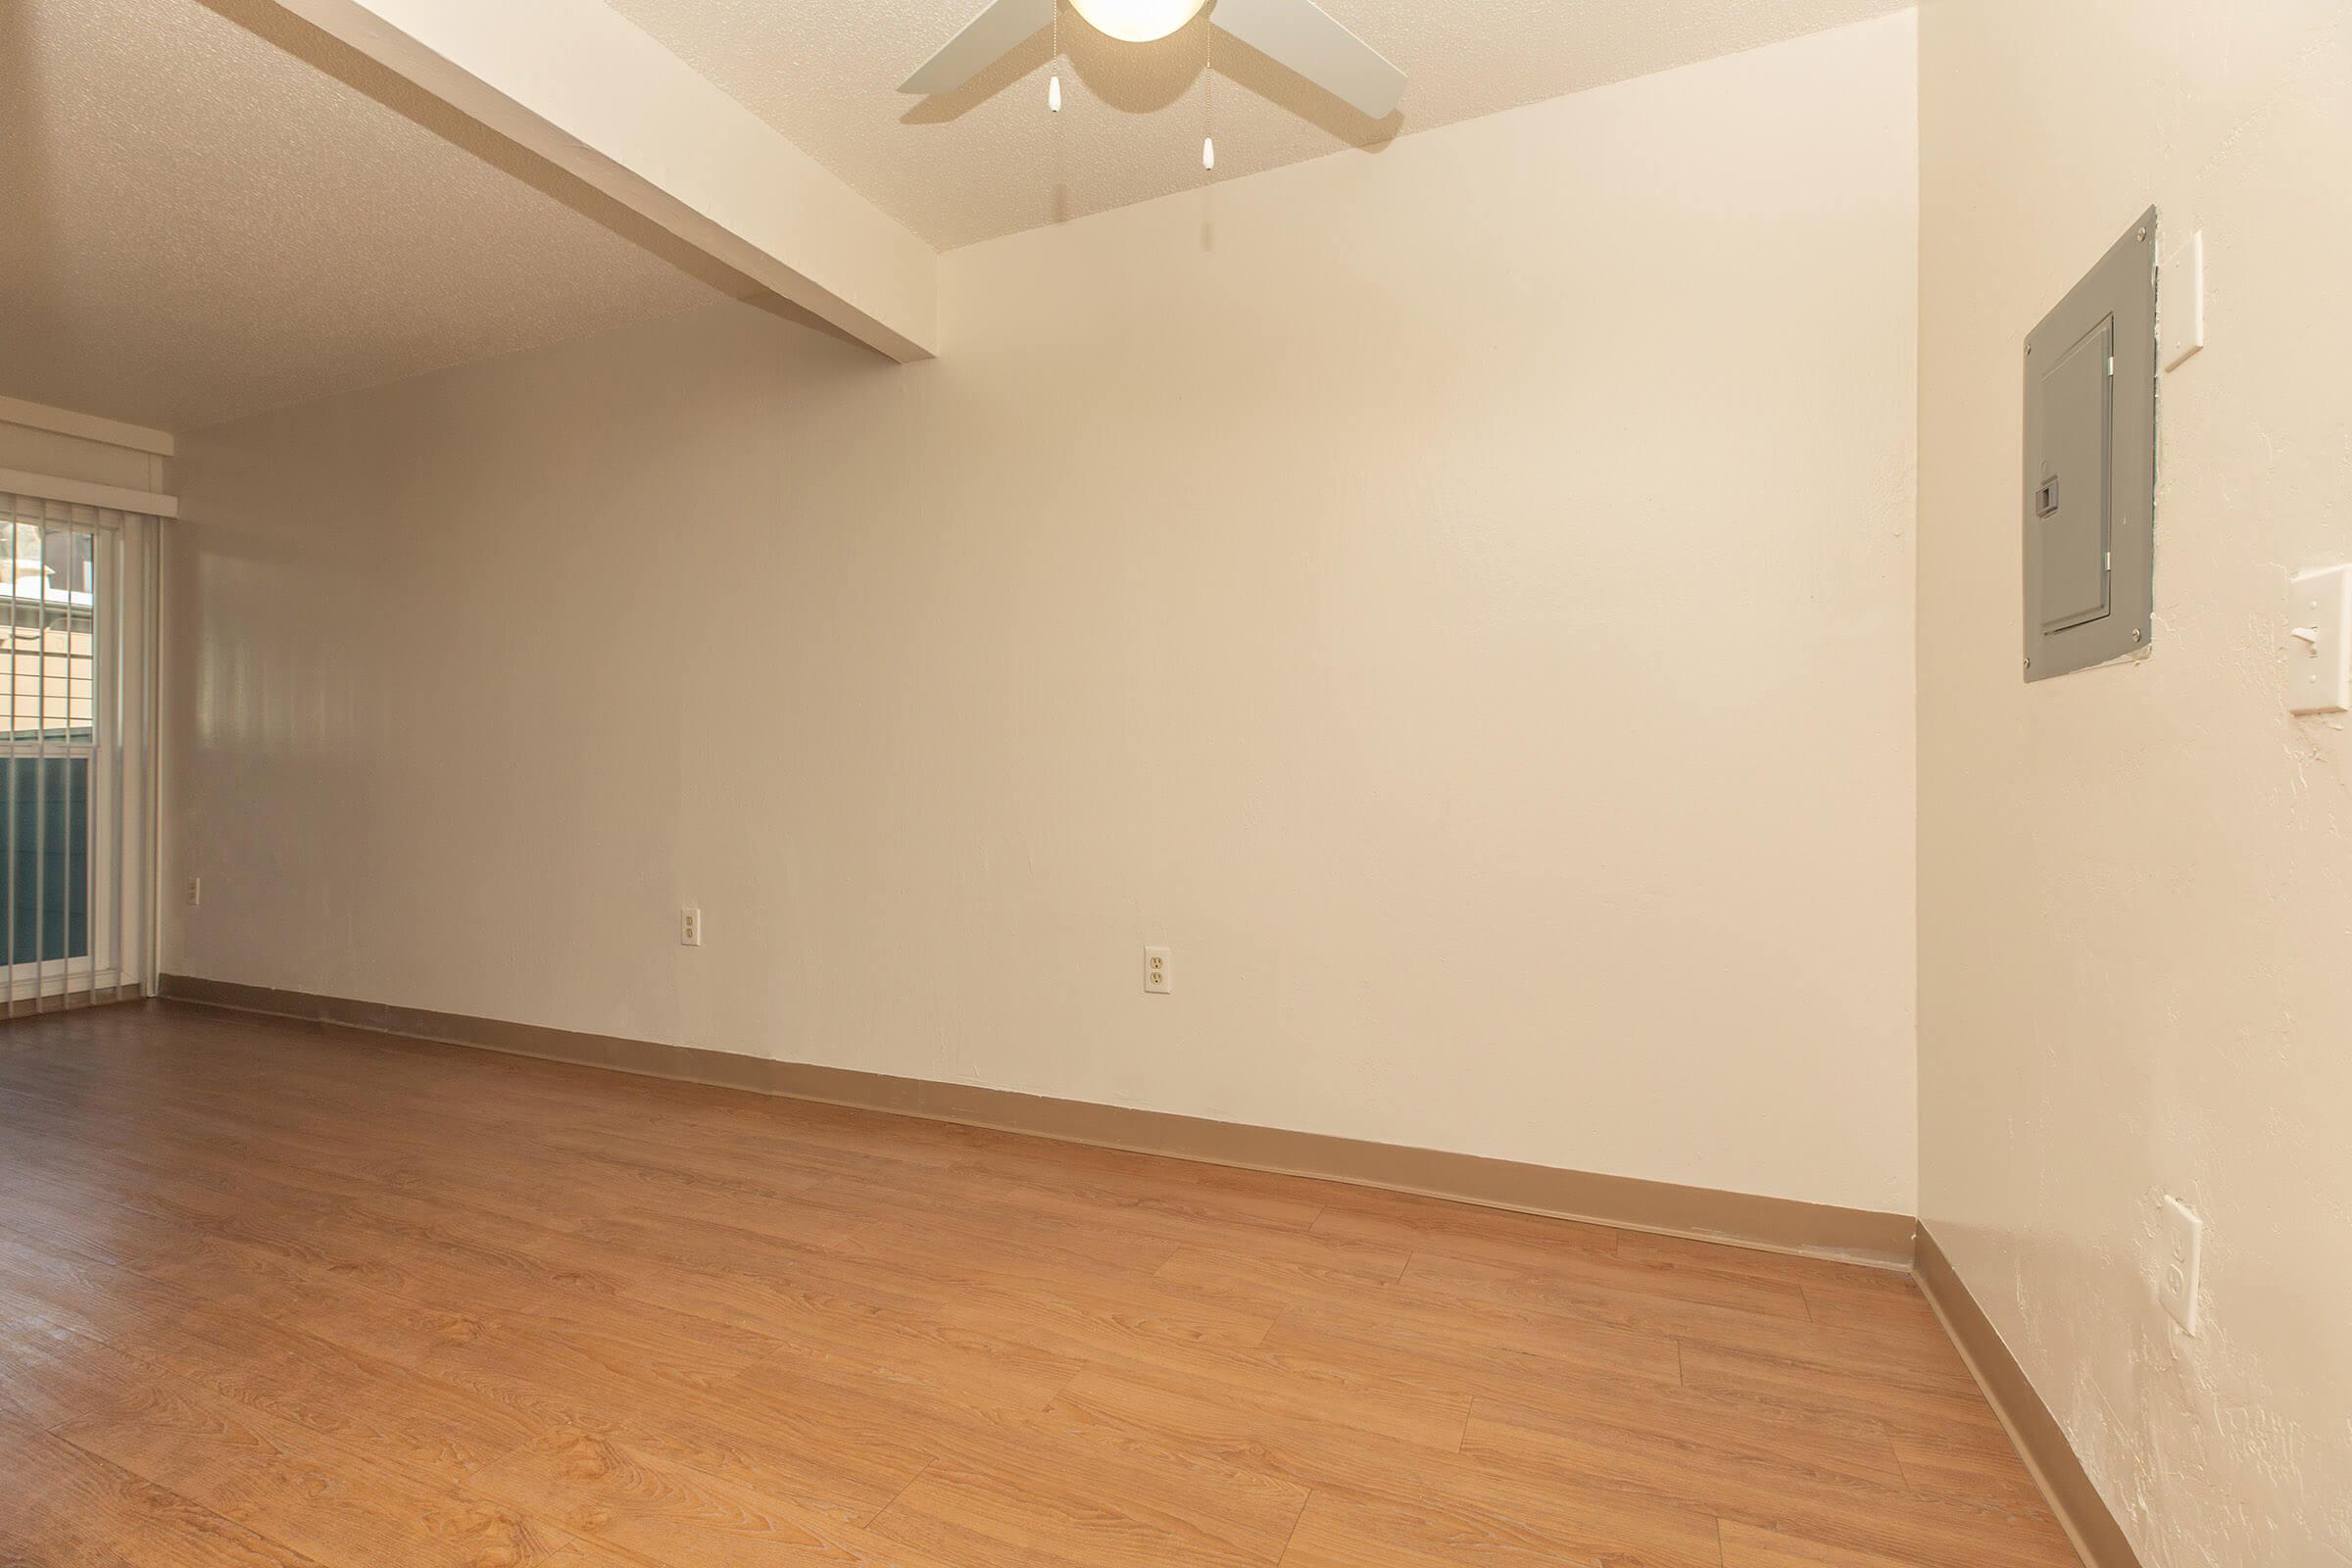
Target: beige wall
{"points": [[1458, 598], [2135, 893]]}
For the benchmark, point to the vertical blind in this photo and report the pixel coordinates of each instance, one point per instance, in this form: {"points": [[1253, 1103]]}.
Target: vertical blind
{"points": [[62, 770]]}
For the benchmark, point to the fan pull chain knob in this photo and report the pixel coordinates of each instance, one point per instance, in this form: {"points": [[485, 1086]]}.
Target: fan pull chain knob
{"points": [[1208, 151], [1054, 93]]}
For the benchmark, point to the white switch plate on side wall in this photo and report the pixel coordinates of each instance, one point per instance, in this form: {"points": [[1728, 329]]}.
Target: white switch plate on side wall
{"points": [[2318, 641]]}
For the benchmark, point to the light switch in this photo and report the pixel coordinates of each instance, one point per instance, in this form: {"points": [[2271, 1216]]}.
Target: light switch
{"points": [[2318, 641]]}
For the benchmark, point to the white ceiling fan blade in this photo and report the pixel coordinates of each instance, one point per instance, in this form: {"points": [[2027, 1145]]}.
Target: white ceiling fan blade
{"points": [[1299, 35], [985, 39]]}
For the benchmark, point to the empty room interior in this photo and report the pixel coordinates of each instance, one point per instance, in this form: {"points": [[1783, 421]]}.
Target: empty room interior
{"points": [[1131, 783]]}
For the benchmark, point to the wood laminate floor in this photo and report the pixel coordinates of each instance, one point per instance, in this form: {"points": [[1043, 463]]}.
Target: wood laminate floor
{"points": [[278, 1294]]}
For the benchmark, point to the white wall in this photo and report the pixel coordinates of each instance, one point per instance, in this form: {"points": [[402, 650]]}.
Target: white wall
{"points": [[2136, 888], [1458, 598]]}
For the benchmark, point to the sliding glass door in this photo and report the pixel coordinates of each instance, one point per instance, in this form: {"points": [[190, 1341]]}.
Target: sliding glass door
{"points": [[62, 775]]}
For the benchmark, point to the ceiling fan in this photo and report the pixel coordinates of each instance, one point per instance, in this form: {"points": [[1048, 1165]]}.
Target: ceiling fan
{"points": [[1295, 33]]}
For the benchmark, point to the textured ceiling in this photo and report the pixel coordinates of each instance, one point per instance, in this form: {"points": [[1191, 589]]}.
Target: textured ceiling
{"points": [[196, 223], [209, 209], [988, 159]]}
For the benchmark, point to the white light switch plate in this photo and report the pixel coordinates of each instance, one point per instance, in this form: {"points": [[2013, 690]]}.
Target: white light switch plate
{"points": [[2181, 304], [1159, 978], [2183, 1238], [2318, 641]]}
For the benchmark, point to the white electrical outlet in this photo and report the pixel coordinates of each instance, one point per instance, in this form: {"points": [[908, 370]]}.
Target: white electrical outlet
{"points": [[195, 890], [690, 927], [2183, 1235], [1158, 978]]}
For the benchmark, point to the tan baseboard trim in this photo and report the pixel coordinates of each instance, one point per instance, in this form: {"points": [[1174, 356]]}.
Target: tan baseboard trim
{"points": [[1776, 1224], [30, 1007], [2040, 1440]]}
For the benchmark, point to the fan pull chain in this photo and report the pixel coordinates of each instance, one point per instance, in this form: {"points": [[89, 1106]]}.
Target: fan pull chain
{"points": [[1054, 87], [1208, 95]]}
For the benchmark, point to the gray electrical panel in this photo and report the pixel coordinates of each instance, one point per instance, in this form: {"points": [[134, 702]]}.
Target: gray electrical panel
{"points": [[2090, 466]]}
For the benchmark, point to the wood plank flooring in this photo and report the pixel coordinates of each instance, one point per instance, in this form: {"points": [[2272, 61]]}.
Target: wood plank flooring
{"points": [[280, 1293]]}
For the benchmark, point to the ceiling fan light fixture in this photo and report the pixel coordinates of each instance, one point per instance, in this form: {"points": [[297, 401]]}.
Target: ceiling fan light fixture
{"points": [[1298, 35], [1137, 21]]}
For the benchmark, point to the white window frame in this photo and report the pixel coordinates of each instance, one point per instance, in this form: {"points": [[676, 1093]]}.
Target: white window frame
{"points": [[114, 896]]}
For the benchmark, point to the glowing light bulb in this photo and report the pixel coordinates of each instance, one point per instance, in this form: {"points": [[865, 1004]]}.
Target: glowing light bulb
{"points": [[1138, 21]]}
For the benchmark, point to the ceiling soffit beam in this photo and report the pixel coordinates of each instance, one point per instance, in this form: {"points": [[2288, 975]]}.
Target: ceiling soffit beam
{"points": [[86, 426], [576, 83], [85, 493]]}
